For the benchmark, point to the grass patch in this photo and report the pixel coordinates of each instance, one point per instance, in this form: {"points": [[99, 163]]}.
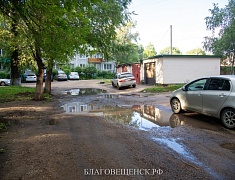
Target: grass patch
{"points": [[19, 93], [4, 124], [16, 93], [161, 88], [105, 81]]}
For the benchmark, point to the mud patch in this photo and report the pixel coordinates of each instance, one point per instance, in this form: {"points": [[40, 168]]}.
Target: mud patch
{"points": [[229, 146], [52, 122]]}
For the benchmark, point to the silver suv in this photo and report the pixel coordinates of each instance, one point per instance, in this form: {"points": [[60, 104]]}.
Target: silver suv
{"points": [[213, 96], [123, 80]]}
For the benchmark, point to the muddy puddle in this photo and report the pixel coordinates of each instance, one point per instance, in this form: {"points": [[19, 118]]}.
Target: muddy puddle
{"points": [[83, 91], [101, 93], [144, 117]]}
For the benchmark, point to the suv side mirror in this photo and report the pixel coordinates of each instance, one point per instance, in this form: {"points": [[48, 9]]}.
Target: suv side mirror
{"points": [[184, 88]]}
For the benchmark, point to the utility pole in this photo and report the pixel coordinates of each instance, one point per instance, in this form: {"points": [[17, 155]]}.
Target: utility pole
{"points": [[171, 39]]}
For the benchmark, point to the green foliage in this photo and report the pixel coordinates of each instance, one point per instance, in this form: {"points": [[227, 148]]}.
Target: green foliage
{"points": [[149, 51], [197, 51], [54, 72], [222, 24], [167, 50], [4, 75], [105, 74], [124, 48], [78, 69], [66, 71], [89, 70]]}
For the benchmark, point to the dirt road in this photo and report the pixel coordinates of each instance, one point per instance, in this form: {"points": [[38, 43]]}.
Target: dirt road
{"points": [[43, 142]]}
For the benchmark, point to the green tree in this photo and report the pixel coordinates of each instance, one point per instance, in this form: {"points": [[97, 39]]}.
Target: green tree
{"points": [[222, 25], [55, 30], [197, 51], [167, 50], [125, 48], [149, 51], [141, 51]]}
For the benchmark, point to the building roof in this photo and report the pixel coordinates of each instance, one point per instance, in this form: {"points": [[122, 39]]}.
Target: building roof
{"points": [[185, 56]]}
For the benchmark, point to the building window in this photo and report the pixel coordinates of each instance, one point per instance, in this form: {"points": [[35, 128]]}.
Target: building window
{"points": [[107, 66], [83, 108], [82, 65], [72, 109], [71, 66]]}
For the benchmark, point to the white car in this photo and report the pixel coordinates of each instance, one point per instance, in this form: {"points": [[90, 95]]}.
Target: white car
{"points": [[5, 82], [212, 96], [74, 75], [31, 77], [124, 80], [61, 77]]}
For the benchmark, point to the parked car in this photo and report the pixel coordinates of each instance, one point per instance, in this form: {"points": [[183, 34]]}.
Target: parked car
{"points": [[124, 80], [213, 96], [61, 76], [5, 82], [74, 76], [31, 77]]}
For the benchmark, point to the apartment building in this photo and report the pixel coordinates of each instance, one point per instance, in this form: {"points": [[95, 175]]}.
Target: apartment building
{"points": [[97, 60]]}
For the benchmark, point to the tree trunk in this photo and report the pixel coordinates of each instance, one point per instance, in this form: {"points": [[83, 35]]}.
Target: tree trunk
{"points": [[15, 72], [47, 88], [39, 84]]}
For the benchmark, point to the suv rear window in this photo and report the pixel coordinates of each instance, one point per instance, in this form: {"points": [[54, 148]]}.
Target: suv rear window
{"points": [[126, 75]]}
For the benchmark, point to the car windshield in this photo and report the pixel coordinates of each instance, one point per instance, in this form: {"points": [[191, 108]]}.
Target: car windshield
{"points": [[126, 76]]}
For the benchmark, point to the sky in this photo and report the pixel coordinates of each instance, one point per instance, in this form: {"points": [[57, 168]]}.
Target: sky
{"points": [[187, 18]]}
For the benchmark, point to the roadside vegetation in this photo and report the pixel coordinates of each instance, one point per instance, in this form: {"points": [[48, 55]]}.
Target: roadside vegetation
{"points": [[15, 93], [161, 88]]}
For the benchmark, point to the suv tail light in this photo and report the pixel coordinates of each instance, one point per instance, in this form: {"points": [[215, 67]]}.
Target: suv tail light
{"points": [[122, 80]]}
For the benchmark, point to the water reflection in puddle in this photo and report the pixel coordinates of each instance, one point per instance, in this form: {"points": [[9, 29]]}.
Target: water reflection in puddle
{"points": [[144, 117], [84, 91]]}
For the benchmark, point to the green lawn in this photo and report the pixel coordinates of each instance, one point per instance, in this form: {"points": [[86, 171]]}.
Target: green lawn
{"points": [[12, 93], [160, 88]]}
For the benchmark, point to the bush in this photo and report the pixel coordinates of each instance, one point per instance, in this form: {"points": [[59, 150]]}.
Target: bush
{"points": [[105, 74], [4, 75]]}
